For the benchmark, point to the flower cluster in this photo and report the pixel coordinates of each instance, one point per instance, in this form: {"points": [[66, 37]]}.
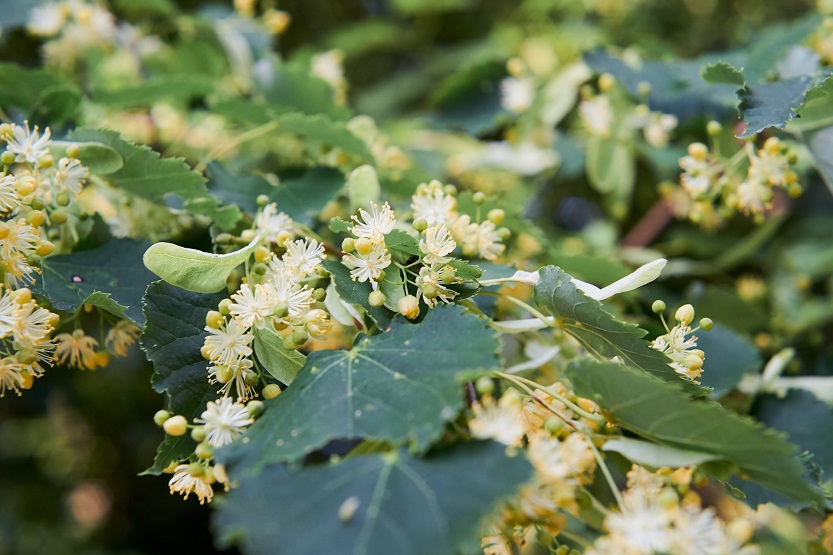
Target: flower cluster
{"points": [[712, 188], [679, 343], [662, 514], [26, 344]]}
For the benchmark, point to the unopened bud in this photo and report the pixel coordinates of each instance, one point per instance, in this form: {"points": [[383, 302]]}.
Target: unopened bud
{"points": [[364, 246], [262, 254], [606, 82], [214, 319], [175, 425], [685, 314], [409, 306], [204, 451], [25, 185], [7, 158], [45, 248], [553, 425], [348, 245], [484, 385], [73, 151], [300, 336], [59, 216], [420, 224], [479, 197], [262, 200], [713, 128], [706, 324], [35, 218], [223, 306], [698, 151], [223, 373], [161, 417], [319, 294], [271, 391], [658, 306], [205, 351], [255, 408], [376, 298], [496, 215]]}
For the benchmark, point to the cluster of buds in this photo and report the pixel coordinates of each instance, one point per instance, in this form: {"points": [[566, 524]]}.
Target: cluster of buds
{"points": [[679, 343], [713, 188], [222, 422]]}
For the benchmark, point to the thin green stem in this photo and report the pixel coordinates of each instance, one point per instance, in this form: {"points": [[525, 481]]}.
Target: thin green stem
{"points": [[608, 477]]}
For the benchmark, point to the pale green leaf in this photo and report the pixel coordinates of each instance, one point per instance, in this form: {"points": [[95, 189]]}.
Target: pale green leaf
{"points": [[400, 504], [722, 72], [362, 188], [276, 359], [99, 158], [655, 455], [193, 270]]}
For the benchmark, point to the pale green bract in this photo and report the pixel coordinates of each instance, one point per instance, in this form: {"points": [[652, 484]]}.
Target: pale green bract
{"points": [[194, 270]]}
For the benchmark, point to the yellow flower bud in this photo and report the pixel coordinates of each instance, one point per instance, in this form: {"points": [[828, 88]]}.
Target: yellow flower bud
{"points": [[214, 319], [25, 185], [161, 417], [364, 245], [102, 359], [409, 306], [496, 216], [175, 425], [45, 248], [262, 254], [271, 391], [698, 151], [685, 314]]}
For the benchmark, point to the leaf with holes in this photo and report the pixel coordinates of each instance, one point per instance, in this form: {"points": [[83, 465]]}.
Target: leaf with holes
{"points": [[383, 503], [401, 387], [109, 277]]}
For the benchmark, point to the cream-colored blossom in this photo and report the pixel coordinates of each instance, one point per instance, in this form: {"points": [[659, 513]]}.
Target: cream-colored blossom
{"points": [[185, 483], [252, 305], [433, 204], [436, 243], [368, 267], [224, 421], [121, 336], [77, 350], [228, 342], [374, 224], [28, 145]]}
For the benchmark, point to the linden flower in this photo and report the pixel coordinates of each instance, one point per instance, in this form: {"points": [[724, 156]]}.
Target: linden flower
{"points": [[488, 241], [753, 196], [432, 204], [228, 343], [374, 224], [9, 310], [639, 478], [501, 421], [429, 278], [303, 255], [272, 222], [252, 305], [698, 532], [46, 20], [71, 175], [516, 95], [368, 267], [121, 336], [698, 175], [685, 359], [644, 528], [285, 293], [11, 376], [185, 483], [224, 421], [9, 198], [28, 146], [596, 115], [78, 347], [33, 324], [435, 244], [566, 461]]}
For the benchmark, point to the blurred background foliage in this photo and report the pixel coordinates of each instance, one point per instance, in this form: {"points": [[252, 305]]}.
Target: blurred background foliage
{"points": [[73, 447]]}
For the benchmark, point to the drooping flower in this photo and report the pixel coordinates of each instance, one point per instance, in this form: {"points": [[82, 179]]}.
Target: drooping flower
{"points": [[78, 348], [501, 421], [121, 336], [9, 198], [12, 377], [185, 483], [643, 528], [224, 421]]}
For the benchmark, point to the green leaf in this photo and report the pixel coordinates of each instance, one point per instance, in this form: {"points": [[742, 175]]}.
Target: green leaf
{"points": [[172, 339], [42, 96], [401, 386], [399, 240], [654, 455], [293, 89], [598, 330], [662, 413], [363, 187], [303, 194], [145, 173], [403, 505], [108, 277], [56, 104], [722, 72], [807, 421], [193, 270], [320, 128], [611, 165], [146, 8], [773, 104], [356, 292], [468, 271], [728, 357], [279, 361], [337, 225], [176, 88], [171, 449], [98, 157]]}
